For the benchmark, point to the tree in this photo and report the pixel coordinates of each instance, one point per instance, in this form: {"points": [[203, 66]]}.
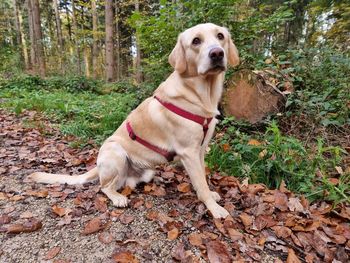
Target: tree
{"points": [[94, 38], [37, 48], [110, 62], [21, 41], [76, 39], [59, 33]]}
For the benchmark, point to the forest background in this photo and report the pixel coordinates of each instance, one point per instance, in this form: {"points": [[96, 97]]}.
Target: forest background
{"points": [[86, 64]]}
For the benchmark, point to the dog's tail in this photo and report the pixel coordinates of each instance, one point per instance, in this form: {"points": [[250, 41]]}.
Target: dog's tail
{"points": [[47, 178]]}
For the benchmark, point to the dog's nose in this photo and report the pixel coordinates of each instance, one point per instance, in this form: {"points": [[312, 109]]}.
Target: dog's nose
{"points": [[216, 54]]}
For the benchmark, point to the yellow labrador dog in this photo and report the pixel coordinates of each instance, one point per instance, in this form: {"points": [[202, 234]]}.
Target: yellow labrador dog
{"points": [[177, 122]]}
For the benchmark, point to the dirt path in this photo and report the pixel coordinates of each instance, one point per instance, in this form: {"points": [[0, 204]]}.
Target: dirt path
{"points": [[164, 222]]}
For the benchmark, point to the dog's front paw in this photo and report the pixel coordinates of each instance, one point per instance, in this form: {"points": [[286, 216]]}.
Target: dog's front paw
{"points": [[120, 201], [218, 211], [215, 196]]}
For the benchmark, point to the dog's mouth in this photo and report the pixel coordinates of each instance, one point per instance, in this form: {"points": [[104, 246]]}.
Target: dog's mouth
{"points": [[216, 69]]}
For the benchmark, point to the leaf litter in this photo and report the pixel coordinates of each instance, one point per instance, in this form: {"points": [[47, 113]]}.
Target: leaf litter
{"points": [[164, 222]]}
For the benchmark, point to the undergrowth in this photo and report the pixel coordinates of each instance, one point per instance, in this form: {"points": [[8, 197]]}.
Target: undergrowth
{"points": [[271, 158]]}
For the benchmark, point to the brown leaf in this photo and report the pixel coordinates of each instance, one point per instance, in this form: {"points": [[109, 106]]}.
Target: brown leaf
{"points": [[42, 193], [195, 239], [226, 147], [53, 252], [173, 234], [92, 226], [4, 219], [124, 257], [234, 234], [101, 203], [26, 215], [60, 211], [152, 215], [158, 191], [282, 231], [281, 201], [126, 191], [29, 226], [126, 219], [292, 258], [246, 219], [105, 237], [184, 187], [295, 205], [217, 252], [148, 204], [117, 212], [254, 142], [179, 252]]}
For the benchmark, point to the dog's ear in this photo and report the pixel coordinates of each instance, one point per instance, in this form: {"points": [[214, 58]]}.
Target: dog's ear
{"points": [[177, 58], [233, 57]]}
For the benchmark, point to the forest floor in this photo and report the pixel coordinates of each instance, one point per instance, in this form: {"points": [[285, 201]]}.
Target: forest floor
{"points": [[164, 221]]}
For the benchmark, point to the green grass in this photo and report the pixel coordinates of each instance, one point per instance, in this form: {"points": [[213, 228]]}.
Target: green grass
{"points": [[271, 158], [86, 114]]}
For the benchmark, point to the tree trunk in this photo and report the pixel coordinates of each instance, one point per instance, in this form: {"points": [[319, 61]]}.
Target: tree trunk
{"points": [[68, 20], [75, 29], [40, 55], [95, 38], [138, 72], [33, 59], [87, 61], [110, 63], [117, 41], [59, 34], [251, 95], [21, 41]]}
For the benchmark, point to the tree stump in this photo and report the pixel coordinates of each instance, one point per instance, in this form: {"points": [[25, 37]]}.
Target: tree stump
{"points": [[251, 95]]}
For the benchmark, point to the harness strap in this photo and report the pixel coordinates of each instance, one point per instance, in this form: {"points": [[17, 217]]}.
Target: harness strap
{"points": [[168, 155], [204, 122]]}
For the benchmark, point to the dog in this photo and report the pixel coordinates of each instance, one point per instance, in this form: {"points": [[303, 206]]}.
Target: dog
{"points": [[177, 122]]}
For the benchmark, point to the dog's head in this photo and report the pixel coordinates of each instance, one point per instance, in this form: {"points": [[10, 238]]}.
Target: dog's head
{"points": [[204, 49]]}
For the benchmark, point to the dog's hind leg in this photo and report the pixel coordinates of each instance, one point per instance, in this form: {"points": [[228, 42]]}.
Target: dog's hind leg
{"points": [[112, 169]]}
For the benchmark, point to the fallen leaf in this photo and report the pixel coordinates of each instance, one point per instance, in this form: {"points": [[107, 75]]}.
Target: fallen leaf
{"points": [[26, 215], [184, 187], [124, 257], [282, 231], [42, 193], [254, 142], [195, 239], [101, 204], [29, 226], [60, 211], [217, 252], [226, 147], [281, 201], [152, 215], [92, 226], [126, 191], [246, 219], [117, 212], [4, 219], [126, 219], [295, 205], [173, 234], [234, 234], [53, 252], [105, 237], [292, 258]]}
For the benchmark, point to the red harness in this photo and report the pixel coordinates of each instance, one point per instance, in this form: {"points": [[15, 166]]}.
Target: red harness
{"points": [[187, 115]]}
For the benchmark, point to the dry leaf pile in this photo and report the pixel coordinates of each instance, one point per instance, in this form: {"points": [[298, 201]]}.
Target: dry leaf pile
{"points": [[174, 226]]}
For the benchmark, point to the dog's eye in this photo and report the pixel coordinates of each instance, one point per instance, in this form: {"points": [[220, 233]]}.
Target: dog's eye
{"points": [[196, 41], [220, 36]]}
